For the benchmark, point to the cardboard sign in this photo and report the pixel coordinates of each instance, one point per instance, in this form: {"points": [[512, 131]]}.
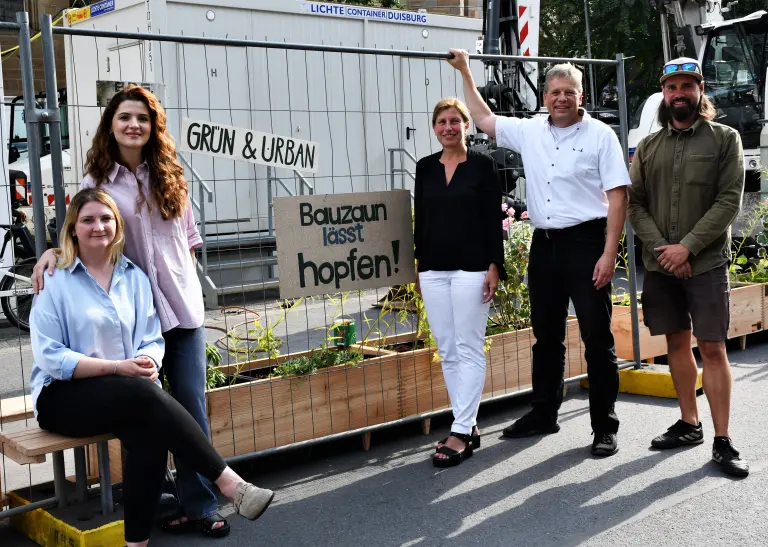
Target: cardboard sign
{"points": [[237, 143], [343, 242]]}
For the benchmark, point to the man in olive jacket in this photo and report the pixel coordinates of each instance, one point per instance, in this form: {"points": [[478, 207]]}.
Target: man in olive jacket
{"points": [[687, 187]]}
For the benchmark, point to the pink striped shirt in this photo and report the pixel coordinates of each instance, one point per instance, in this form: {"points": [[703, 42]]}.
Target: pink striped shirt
{"points": [[160, 248]]}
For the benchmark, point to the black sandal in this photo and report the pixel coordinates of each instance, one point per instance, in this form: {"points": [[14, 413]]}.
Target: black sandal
{"points": [[475, 440], [454, 457], [181, 526], [205, 526]]}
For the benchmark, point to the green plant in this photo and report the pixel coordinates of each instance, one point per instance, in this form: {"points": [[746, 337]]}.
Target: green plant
{"points": [[621, 296], [260, 339], [513, 308], [754, 269], [317, 360], [213, 376], [401, 305]]}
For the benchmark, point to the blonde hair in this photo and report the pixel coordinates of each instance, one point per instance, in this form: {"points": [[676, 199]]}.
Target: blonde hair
{"points": [[567, 71], [450, 102], [68, 241]]}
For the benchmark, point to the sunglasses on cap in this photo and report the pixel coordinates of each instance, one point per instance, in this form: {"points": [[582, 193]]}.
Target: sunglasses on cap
{"points": [[687, 67]]}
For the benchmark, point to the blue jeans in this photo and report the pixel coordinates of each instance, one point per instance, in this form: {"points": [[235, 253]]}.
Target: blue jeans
{"points": [[184, 365]]}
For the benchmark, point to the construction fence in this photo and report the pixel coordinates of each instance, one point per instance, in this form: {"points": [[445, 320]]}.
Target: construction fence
{"points": [[282, 371]]}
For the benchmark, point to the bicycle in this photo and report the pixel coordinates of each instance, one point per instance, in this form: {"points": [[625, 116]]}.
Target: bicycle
{"points": [[16, 286]]}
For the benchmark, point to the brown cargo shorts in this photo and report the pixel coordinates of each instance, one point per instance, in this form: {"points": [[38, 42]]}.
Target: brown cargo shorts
{"points": [[670, 304]]}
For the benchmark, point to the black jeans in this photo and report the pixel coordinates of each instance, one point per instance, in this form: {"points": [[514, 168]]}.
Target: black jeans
{"points": [[561, 266], [147, 420]]}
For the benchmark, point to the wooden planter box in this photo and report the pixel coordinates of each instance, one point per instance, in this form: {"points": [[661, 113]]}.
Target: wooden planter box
{"points": [[508, 368], [621, 325], [509, 360], [273, 412], [746, 309], [747, 316], [270, 412]]}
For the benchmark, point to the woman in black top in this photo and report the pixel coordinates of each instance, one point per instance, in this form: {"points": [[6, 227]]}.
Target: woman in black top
{"points": [[460, 259]]}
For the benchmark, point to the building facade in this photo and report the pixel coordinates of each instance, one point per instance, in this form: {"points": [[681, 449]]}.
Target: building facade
{"points": [[10, 39], [462, 8]]}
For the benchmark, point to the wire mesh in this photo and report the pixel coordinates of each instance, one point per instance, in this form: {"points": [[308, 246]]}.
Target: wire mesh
{"points": [[276, 374]]}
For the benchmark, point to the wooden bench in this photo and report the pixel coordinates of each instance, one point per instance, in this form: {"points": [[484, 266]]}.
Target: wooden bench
{"points": [[32, 445], [16, 409]]}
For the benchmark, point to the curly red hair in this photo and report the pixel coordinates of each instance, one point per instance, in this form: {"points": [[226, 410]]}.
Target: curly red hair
{"points": [[166, 176]]}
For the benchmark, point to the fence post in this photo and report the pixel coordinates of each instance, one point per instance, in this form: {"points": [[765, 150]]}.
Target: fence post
{"points": [[33, 119], [52, 116], [391, 169], [630, 239], [271, 219]]}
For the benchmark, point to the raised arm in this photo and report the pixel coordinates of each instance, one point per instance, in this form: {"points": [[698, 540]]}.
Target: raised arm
{"points": [[481, 114]]}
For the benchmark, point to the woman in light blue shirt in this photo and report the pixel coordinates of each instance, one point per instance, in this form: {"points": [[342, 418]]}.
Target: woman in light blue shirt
{"points": [[98, 348]]}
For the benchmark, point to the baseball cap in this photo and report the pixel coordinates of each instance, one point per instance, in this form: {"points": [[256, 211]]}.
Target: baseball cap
{"points": [[681, 65]]}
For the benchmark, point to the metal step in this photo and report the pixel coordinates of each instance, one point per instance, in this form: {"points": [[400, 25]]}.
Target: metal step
{"points": [[239, 241], [245, 263], [248, 287]]}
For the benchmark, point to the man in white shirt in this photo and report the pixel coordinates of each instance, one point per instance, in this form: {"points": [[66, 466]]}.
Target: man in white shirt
{"points": [[576, 188]]}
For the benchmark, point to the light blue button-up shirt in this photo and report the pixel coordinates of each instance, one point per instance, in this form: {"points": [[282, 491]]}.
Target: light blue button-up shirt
{"points": [[75, 317]]}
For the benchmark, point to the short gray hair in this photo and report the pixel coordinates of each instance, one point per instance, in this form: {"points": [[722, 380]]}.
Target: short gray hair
{"points": [[567, 71]]}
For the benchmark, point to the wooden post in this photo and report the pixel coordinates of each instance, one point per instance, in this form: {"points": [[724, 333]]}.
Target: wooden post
{"points": [[115, 462], [743, 342], [426, 425], [366, 441]]}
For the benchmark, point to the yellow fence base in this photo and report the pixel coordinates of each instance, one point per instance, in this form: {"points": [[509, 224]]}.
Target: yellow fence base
{"points": [[653, 381], [46, 530]]}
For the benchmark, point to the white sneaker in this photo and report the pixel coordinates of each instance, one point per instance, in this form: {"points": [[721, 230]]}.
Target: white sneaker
{"points": [[251, 501]]}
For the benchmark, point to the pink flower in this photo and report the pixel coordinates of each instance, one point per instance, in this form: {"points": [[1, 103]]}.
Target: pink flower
{"points": [[524, 216], [504, 207], [505, 223]]}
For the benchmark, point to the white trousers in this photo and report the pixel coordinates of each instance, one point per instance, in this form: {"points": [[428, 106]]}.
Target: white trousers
{"points": [[457, 316]]}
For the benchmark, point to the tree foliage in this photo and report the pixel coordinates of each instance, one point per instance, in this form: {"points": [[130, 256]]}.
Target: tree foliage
{"points": [[630, 27]]}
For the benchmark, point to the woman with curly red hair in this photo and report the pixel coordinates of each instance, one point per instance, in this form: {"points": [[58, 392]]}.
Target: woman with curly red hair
{"points": [[133, 158]]}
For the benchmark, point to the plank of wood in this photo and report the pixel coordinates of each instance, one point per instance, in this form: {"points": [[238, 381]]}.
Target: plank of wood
{"points": [[22, 459], [746, 310], [32, 444], [16, 409]]}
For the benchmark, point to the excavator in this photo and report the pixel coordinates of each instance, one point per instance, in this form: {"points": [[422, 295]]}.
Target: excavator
{"points": [[734, 59]]}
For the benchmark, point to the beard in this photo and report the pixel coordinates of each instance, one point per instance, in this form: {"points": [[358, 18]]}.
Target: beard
{"points": [[681, 113]]}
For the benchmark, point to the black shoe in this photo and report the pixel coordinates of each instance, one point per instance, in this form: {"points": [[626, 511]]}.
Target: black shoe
{"points": [[475, 435], [453, 458], [604, 445], [680, 434], [533, 423], [727, 456]]}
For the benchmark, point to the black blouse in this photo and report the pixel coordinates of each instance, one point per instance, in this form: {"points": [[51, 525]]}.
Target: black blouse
{"points": [[457, 226]]}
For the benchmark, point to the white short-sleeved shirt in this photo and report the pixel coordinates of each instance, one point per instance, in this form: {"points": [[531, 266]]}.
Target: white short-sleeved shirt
{"points": [[566, 172]]}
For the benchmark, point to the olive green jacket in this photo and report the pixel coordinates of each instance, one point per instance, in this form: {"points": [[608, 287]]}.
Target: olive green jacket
{"points": [[687, 187]]}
